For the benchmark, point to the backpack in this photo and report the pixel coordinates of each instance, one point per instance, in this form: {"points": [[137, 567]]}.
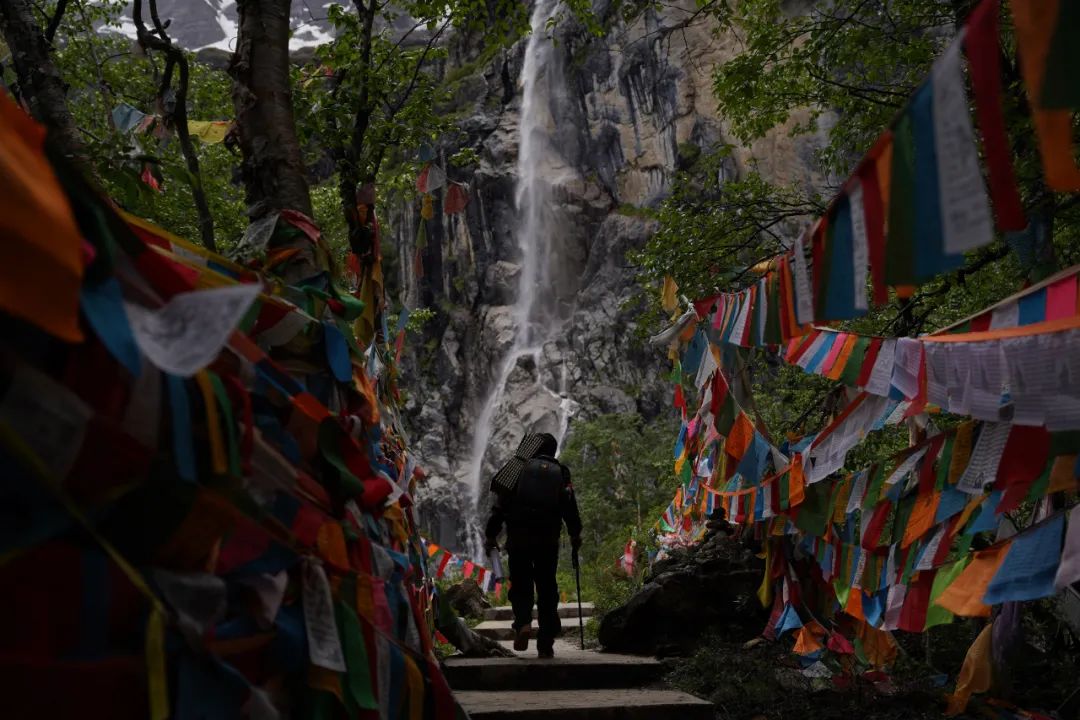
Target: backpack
{"points": [[536, 498]]}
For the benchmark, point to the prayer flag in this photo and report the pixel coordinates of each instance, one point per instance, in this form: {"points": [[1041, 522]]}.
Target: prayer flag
{"points": [[1046, 33], [1029, 567], [41, 271]]}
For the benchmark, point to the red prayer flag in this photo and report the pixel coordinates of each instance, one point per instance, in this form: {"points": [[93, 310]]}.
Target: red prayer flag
{"points": [[983, 53], [442, 565], [1022, 462], [869, 361]]}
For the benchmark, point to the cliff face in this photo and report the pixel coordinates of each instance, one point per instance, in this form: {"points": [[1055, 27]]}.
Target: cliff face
{"points": [[616, 115]]}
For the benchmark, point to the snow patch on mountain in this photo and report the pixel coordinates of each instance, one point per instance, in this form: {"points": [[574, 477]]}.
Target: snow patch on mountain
{"points": [[205, 24]]}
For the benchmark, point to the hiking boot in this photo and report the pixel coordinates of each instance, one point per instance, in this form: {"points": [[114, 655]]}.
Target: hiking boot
{"points": [[521, 638], [545, 653]]}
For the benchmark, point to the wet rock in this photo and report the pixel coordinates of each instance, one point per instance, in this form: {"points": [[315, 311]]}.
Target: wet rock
{"points": [[627, 111], [467, 599], [714, 583]]}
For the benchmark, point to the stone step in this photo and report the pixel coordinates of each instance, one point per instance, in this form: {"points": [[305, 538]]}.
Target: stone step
{"points": [[570, 669], [566, 610], [503, 629], [497, 629], [638, 704]]}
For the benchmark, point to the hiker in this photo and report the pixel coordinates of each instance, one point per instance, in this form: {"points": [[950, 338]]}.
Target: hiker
{"points": [[534, 497]]}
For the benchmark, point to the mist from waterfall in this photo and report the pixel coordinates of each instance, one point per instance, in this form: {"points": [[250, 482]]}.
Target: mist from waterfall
{"points": [[535, 313]]}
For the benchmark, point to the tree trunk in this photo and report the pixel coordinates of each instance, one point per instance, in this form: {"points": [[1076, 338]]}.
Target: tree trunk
{"points": [[273, 170], [349, 177], [39, 80]]}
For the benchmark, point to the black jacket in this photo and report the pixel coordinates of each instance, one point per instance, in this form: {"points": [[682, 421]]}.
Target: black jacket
{"points": [[502, 513]]}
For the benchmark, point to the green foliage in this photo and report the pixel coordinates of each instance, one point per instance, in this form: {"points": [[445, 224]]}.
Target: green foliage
{"points": [[859, 59], [395, 87], [104, 70], [712, 229], [623, 479]]}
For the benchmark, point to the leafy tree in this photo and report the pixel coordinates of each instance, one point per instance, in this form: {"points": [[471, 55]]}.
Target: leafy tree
{"points": [[842, 70], [381, 98], [621, 469]]}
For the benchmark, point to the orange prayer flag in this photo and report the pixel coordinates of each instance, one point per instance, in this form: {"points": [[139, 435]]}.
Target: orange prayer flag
{"points": [[1061, 474], [796, 482], [807, 640], [922, 517], [883, 165], [964, 596], [975, 674], [878, 646], [331, 545], [854, 606], [1036, 22], [41, 264], [842, 359], [740, 437]]}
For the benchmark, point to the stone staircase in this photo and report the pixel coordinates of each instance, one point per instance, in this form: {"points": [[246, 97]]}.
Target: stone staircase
{"points": [[576, 684]]}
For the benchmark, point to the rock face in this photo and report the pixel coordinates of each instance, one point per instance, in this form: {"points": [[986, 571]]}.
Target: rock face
{"points": [[711, 585], [467, 599], [619, 115]]}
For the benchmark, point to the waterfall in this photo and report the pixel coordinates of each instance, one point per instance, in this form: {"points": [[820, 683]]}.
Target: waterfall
{"points": [[536, 315]]}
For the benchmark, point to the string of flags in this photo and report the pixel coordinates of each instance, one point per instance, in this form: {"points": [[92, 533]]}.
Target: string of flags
{"points": [[432, 178], [925, 535], [220, 486], [1014, 361], [129, 119], [448, 563]]}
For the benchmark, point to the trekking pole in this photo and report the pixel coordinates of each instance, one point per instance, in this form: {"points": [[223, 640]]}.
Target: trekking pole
{"points": [[580, 616]]}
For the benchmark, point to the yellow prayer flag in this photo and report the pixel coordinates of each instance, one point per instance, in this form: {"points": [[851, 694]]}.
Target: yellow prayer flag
{"points": [[210, 132], [668, 301], [765, 592], [961, 450]]}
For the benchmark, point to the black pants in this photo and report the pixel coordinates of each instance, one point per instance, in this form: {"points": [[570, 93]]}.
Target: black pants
{"points": [[534, 564]]}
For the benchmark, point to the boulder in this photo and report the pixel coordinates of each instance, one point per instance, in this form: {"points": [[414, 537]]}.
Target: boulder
{"points": [[711, 585], [467, 599]]}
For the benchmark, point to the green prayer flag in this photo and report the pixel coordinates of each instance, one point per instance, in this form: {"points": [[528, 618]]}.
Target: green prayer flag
{"points": [[873, 489], [1060, 91], [850, 374], [943, 462], [727, 414], [813, 513], [822, 274], [421, 235], [903, 514], [1039, 487], [909, 564], [900, 243], [330, 438], [935, 614], [1065, 442], [358, 678], [227, 421]]}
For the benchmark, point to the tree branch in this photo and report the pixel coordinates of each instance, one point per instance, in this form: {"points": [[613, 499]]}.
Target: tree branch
{"points": [[158, 39], [54, 21]]}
